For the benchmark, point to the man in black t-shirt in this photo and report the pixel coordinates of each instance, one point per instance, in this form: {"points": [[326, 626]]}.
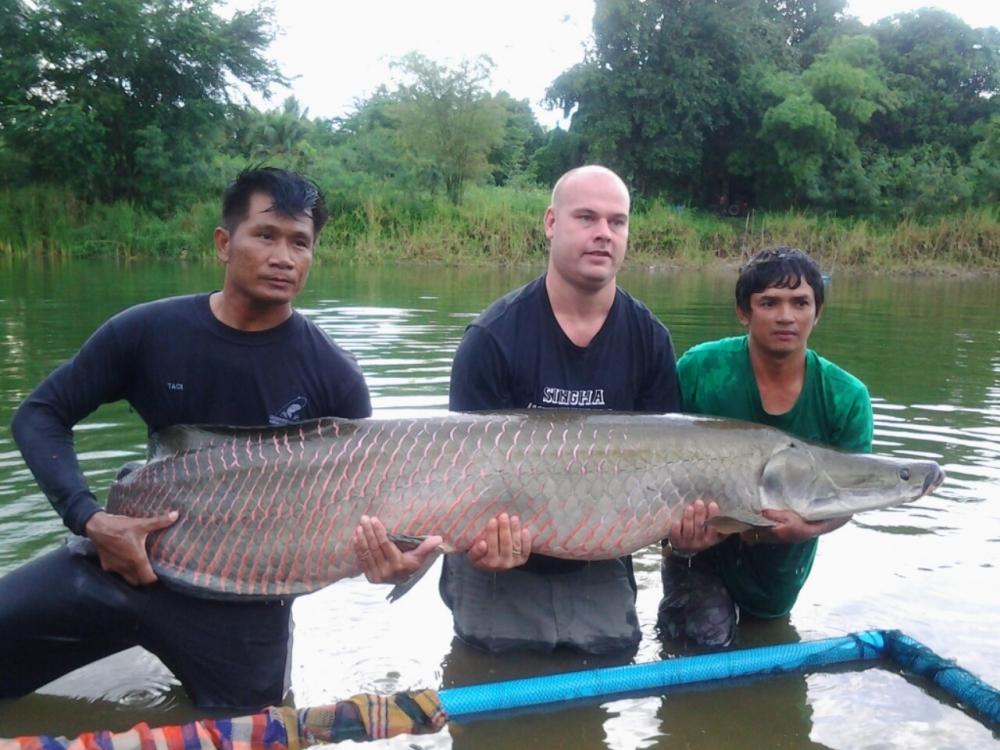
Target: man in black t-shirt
{"points": [[569, 339], [238, 356]]}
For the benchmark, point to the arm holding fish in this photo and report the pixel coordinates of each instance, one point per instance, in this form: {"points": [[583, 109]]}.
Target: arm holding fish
{"points": [[121, 543], [502, 546], [791, 528], [382, 560], [691, 534], [43, 430]]}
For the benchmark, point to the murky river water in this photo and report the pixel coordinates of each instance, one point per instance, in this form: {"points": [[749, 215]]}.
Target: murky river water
{"points": [[929, 350]]}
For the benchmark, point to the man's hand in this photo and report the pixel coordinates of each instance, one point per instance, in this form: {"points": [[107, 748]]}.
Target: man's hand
{"points": [[121, 543], [690, 535], [791, 528], [381, 560], [504, 545]]}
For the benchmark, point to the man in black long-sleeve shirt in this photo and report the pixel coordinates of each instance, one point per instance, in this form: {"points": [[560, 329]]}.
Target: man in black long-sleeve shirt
{"points": [[239, 356]]}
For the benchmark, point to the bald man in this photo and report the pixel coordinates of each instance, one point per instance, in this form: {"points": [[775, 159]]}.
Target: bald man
{"points": [[569, 339]]}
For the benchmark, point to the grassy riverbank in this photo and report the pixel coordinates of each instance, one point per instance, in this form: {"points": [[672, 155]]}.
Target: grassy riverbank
{"points": [[503, 225]]}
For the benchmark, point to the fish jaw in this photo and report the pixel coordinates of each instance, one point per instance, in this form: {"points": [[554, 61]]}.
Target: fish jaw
{"points": [[820, 483]]}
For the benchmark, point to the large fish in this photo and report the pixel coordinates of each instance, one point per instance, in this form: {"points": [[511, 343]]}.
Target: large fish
{"points": [[270, 512]]}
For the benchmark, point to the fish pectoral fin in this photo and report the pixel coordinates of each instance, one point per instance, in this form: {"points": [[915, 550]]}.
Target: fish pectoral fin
{"points": [[401, 588], [737, 521], [406, 542]]}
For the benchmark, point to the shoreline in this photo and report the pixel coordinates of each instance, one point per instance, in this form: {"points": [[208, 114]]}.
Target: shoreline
{"points": [[502, 227]]}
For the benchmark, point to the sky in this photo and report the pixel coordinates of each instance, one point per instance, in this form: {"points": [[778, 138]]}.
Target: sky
{"points": [[337, 52]]}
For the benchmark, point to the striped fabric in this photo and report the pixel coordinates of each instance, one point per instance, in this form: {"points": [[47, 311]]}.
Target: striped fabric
{"points": [[361, 717]]}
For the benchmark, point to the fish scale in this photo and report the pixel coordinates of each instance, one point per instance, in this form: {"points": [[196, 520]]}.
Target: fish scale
{"points": [[270, 512]]}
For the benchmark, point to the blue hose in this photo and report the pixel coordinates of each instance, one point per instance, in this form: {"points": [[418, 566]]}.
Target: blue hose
{"points": [[270, 729], [791, 657]]}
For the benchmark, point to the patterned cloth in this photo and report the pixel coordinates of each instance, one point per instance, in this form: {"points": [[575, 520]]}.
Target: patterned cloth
{"points": [[361, 717]]}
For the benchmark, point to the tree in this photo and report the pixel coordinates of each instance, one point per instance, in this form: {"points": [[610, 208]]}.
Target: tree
{"points": [[365, 168], [783, 102], [658, 94], [522, 137], [808, 149], [280, 135], [447, 120], [125, 98], [986, 161], [947, 76], [805, 19], [561, 152], [17, 72]]}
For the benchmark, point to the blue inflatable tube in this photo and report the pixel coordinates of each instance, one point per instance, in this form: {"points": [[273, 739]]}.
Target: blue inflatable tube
{"points": [[793, 657]]}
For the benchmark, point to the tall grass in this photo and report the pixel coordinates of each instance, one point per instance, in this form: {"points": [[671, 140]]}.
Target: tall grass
{"points": [[503, 226], [55, 221]]}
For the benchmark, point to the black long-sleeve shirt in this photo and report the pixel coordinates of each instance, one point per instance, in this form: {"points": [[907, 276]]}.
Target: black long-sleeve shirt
{"points": [[175, 363]]}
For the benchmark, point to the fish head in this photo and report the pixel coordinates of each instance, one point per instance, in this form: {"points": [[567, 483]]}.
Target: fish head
{"points": [[820, 483]]}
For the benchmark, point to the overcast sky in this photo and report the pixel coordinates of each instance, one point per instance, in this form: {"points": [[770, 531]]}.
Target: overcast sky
{"points": [[338, 51]]}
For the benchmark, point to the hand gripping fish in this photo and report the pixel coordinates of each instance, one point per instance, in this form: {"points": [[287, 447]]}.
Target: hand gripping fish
{"points": [[270, 512]]}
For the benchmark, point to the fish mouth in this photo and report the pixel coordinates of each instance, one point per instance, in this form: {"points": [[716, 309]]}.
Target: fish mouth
{"points": [[933, 480]]}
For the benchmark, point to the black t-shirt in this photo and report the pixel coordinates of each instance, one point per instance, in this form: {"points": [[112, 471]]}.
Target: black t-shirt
{"points": [[175, 363], [516, 356]]}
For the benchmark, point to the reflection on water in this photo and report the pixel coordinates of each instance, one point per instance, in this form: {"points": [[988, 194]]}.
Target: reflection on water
{"points": [[405, 352], [929, 351]]}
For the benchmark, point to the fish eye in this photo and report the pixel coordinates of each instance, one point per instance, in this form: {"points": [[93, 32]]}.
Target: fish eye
{"points": [[904, 474]]}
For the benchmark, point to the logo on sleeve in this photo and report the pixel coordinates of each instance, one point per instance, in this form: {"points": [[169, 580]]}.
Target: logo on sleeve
{"points": [[289, 413]]}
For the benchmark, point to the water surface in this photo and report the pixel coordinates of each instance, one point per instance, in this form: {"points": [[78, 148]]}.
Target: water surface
{"points": [[928, 349]]}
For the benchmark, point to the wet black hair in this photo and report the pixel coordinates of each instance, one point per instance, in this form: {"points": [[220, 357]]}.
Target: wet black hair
{"points": [[783, 267], [291, 194]]}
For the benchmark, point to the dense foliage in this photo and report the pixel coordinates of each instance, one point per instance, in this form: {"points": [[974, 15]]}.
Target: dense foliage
{"points": [[728, 105], [124, 98], [781, 104]]}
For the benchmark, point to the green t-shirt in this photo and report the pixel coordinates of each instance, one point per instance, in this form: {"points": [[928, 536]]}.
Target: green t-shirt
{"points": [[833, 409]]}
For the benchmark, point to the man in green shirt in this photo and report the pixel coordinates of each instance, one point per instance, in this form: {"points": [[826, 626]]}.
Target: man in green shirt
{"points": [[771, 377]]}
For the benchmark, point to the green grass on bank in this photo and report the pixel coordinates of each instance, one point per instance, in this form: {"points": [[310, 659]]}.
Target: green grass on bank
{"points": [[503, 226]]}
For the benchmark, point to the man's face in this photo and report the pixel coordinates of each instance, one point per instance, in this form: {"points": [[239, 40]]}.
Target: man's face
{"points": [[268, 255], [781, 319], [587, 227]]}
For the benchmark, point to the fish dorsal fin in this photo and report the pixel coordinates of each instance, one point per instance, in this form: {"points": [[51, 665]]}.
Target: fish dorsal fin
{"points": [[178, 438]]}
